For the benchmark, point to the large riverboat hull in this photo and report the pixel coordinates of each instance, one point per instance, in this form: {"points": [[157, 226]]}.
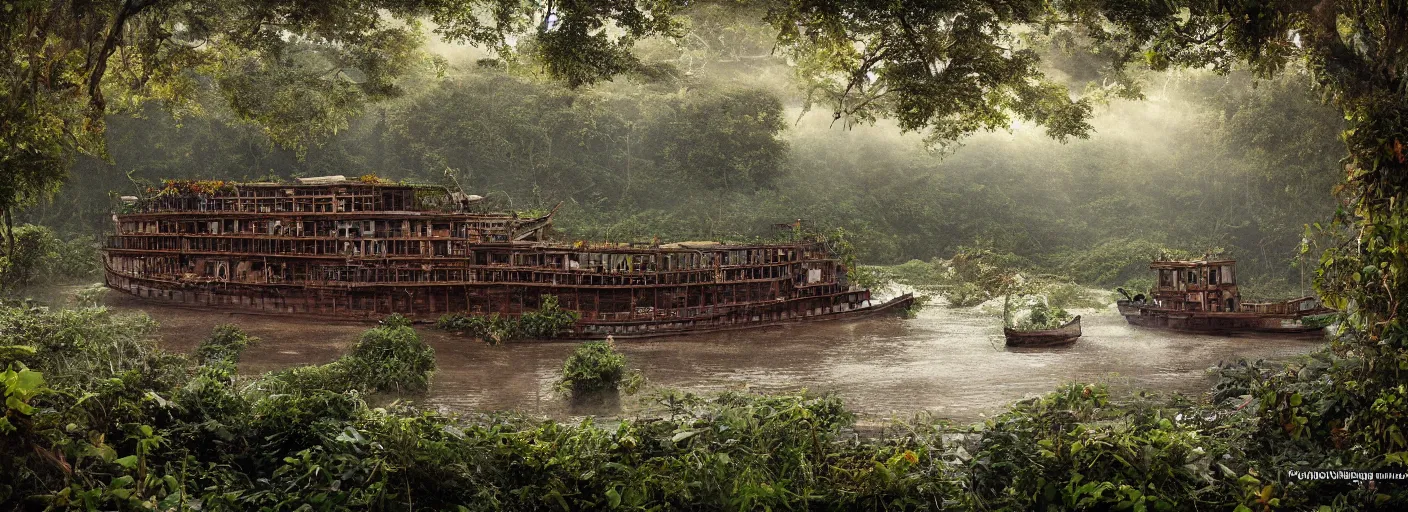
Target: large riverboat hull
{"points": [[371, 303], [367, 248]]}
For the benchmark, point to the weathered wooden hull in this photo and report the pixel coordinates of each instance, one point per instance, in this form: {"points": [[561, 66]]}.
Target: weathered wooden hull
{"points": [[655, 329], [1217, 322], [291, 300], [1065, 335]]}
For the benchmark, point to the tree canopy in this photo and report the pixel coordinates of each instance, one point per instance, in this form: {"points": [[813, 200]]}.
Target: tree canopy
{"points": [[299, 70]]}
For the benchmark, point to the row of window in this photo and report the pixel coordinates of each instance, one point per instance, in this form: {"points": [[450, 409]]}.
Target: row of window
{"points": [[1168, 278]]}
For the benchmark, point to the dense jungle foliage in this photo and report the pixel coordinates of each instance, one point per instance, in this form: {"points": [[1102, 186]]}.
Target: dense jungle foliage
{"points": [[97, 417], [40, 257]]}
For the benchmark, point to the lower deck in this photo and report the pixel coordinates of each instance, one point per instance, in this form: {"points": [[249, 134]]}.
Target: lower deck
{"points": [[1215, 322], [617, 312]]}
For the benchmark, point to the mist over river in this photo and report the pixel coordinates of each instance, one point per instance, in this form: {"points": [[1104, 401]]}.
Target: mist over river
{"points": [[951, 363]]}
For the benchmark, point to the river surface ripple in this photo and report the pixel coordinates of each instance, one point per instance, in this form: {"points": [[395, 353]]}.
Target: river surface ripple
{"points": [[950, 363]]}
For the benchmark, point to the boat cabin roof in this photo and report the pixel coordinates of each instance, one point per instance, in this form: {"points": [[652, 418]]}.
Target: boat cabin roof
{"points": [[1181, 264], [349, 183]]}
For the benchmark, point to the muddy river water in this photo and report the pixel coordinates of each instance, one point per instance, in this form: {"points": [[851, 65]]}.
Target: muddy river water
{"points": [[948, 362]]}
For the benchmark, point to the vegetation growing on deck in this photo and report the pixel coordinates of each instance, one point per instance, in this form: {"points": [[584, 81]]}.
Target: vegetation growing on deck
{"points": [[1039, 315]]}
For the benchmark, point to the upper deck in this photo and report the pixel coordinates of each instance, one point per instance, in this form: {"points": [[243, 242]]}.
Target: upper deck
{"points": [[334, 221], [332, 195], [330, 206]]}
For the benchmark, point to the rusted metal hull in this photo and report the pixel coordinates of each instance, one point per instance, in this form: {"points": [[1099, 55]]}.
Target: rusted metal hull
{"points": [[1064, 335], [761, 320], [292, 300], [1217, 322]]}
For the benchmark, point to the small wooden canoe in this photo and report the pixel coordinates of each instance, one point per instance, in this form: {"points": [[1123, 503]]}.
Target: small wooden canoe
{"points": [[1064, 335]]}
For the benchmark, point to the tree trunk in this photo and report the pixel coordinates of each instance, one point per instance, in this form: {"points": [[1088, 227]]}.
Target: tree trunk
{"points": [[9, 233]]}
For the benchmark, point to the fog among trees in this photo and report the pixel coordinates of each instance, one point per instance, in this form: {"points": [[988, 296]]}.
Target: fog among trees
{"points": [[713, 138]]}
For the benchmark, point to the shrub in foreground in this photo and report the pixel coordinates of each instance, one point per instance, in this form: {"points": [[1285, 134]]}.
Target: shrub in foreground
{"points": [[226, 343], [386, 359], [592, 367], [392, 359]]}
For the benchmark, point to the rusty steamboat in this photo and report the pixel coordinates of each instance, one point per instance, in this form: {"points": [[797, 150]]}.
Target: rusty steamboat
{"points": [[365, 248], [1202, 296]]}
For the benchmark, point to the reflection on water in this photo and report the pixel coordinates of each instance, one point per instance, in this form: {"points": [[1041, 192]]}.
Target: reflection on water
{"points": [[951, 363]]}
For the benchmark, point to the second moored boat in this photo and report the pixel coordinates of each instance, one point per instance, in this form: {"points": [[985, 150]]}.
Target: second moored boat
{"points": [[1202, 296], [1066, 334]]}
